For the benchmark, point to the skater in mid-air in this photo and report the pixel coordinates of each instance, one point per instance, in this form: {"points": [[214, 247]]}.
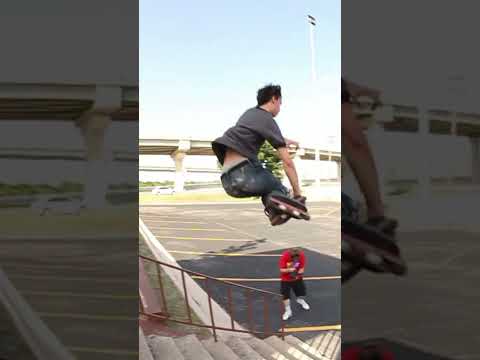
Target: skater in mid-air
{"points": [[242, 173], [369, 245], [379, 250]]}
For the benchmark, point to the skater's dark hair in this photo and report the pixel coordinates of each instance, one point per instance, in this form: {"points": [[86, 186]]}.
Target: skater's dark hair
{"points": [[265, 94]]}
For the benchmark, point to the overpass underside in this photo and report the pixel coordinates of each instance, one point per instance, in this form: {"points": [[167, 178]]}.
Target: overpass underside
{"points": [[91, 107]]}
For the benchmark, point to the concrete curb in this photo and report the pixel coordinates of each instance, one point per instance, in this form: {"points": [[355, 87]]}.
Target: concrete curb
{"points": [[198, 298]]}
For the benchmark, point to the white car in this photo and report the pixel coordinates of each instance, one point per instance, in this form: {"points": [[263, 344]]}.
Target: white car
{"points": [[62, 205], [163, 190]]}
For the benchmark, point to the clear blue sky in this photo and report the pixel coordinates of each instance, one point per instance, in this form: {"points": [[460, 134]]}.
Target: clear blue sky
{"points": [[201, 63]]}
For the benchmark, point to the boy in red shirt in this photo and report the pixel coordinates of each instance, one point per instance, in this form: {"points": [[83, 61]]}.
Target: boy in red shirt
{"points": [[292, 266]]}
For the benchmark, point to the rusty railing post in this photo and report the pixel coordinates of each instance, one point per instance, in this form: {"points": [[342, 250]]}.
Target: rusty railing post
{"points": [[265, 314], [230, 306], [282, 310], [211, 310], [186, 297], [249, 309], [162, 291]]}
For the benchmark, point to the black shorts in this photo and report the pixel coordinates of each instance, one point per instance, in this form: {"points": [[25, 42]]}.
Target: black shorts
{"points": [[298, 287]]}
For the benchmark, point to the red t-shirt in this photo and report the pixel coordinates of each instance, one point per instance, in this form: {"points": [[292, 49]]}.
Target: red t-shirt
{"points": [[286, 261]]}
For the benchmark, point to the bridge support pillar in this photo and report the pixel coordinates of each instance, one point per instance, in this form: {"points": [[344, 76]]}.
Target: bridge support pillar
{"points": [[178, 157], [93, 125], [318, 165], [93, 129], [180, 173]]}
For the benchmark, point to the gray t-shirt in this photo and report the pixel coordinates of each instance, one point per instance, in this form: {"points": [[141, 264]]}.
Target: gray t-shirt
{"points": [[248, 135]]}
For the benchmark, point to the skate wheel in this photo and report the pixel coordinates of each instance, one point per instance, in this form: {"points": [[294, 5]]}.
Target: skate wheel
{"points": [[282, 207], [373, 259], [296, 213], [284, 216]]}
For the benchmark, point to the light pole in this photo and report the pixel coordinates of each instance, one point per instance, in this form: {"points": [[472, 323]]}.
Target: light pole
{"points": [[313, 22]]}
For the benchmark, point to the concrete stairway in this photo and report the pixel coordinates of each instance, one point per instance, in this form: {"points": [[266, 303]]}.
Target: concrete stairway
{"points": [[325, 346]]}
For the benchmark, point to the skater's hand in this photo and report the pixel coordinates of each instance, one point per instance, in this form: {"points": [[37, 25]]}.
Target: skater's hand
{"points": [[297, 195], [292, 143]]}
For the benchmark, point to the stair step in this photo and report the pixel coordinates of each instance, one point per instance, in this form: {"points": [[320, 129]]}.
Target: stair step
{"points": [[219, 350], [335, 345], [304, 347], [327, 344], [144, 352], [242, 349], [192, 349], [164, 348], [266, 350], [286, 348]]}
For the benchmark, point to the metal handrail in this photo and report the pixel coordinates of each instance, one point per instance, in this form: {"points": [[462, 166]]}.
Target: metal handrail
{"points": [[209, 277], [214, 327]]}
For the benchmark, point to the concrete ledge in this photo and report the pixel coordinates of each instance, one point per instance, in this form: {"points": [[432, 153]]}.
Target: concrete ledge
{"points": [[198, 298]]}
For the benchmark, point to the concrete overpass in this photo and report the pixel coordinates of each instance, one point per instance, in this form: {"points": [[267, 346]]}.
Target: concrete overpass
{"points": [[91, 107], [178, 149], [425, 121], [67, 64]]}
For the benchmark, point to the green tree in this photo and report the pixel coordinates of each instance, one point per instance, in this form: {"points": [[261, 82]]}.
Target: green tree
{"points": [[268, 157]]}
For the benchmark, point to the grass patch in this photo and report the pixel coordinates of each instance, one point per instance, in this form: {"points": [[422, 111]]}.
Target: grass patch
{"points": [[23, 222], [146, 198], [65, 187], [156, 183], [174, 298]]}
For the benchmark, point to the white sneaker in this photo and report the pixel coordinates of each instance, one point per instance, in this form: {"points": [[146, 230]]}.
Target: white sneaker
{"points": [[304, 304], [287, 314]]}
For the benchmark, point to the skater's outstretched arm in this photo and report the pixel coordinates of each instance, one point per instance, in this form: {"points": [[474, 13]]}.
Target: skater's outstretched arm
{"points": [[359, 156], [290, 170]]}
